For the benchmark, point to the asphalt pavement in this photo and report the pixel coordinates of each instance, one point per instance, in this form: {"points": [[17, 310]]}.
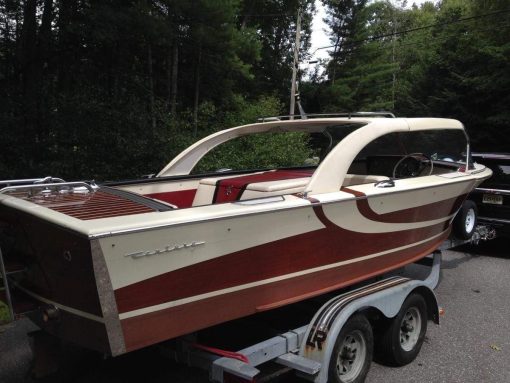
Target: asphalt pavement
{"points": [[471, 344]]}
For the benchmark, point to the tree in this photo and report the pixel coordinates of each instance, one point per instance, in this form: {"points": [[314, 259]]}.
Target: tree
{"points": [[468, 70], [114, 88], [275, 23]]}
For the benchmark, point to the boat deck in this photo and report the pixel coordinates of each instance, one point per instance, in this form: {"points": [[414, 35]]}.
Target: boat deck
{"points": [[87, 206]]}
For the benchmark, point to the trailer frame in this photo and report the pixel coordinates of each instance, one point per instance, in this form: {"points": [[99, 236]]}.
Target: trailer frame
{"points": [[308, 349]]}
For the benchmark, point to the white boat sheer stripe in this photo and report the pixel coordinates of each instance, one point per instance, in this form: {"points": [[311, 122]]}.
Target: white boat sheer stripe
{"points": [[221, 238], [107, 227], [147, 310], [348, 217], [409, 194]]}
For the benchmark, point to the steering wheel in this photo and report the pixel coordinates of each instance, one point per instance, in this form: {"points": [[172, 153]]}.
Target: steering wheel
{"points": [[412, 165]]}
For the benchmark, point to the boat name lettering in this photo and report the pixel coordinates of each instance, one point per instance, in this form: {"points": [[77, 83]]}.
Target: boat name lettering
{"points": [[166, 249]]}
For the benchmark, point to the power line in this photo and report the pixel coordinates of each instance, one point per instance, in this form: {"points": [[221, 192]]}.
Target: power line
{"points": [[269, 15], [378, 37], [419, 43]]}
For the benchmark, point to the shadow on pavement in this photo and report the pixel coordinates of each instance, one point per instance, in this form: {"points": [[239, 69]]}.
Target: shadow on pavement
{"points": [[499, 247]]}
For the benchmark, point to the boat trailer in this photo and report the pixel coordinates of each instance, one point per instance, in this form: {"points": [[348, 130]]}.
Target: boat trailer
{"points": [[339, 338]]}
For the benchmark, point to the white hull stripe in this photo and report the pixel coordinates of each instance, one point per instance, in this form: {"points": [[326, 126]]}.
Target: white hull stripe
{"points": [[358, 223], [163, 306], [71, 310]]}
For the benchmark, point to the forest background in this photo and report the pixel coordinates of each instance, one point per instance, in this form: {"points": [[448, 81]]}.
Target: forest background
{"points": [[109, 89]]}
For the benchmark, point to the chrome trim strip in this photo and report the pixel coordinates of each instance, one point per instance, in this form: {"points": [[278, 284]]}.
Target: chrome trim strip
{"points": [[166, 249], [476, 171], [107, 301], [324, 319], [190, 222], [495, 191], [32, 181], [260, 201]]}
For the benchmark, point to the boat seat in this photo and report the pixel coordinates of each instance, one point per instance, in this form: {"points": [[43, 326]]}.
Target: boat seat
{"points": [[272, 188], [208, 188], [209, 191]]}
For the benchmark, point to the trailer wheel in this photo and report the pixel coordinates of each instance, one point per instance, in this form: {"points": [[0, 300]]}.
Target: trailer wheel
{"points": [[402, 339], [464, 223], [353, 351]]}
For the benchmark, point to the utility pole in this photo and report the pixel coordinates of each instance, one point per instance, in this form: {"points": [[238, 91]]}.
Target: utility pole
{"points": [[295, 65], [394, 39]]}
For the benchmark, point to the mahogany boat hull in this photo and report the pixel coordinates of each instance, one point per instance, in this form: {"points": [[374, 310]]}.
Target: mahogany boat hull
{"points": [[121, 292]]}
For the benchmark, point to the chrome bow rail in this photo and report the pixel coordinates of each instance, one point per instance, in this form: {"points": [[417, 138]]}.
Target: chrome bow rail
{"points": [[92, 187], [28, 181]]}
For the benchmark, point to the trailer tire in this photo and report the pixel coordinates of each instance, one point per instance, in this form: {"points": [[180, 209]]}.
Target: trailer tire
{"points": [[403, 337], [464, 223], [353, 352]]}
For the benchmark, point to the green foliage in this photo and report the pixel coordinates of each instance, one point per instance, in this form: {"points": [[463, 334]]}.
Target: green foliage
{"points": [[468, 70], [360, 72], [4, 313], [268, 150], [114, 89], [258, 151], [245, 111], [96, 139], [275, 25]]}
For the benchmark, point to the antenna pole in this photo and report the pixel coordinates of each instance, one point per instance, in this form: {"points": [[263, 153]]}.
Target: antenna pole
{"points": [[295, 65]]}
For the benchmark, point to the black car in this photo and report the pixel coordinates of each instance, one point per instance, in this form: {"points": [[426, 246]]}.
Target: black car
{"points": [[492, 198]]}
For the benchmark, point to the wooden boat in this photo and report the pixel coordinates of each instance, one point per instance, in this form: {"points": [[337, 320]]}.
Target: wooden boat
{"points": [[125, 265]]}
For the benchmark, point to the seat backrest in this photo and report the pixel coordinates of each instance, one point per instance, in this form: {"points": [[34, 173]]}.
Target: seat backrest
{"points": [[249, 186]]}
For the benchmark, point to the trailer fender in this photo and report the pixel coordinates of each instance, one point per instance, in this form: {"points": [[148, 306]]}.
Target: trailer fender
{"points": [[385, 296]]}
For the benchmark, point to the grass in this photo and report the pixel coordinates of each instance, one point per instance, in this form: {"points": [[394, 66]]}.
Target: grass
{"points": [[4, 313]]}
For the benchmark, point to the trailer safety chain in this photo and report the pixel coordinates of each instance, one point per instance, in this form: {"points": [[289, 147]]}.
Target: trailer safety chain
{"points": [[220, 352]]}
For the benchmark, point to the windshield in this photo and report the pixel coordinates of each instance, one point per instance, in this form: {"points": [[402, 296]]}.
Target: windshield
{"points": [[446, 148], [438, 145], [272, 150]]}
